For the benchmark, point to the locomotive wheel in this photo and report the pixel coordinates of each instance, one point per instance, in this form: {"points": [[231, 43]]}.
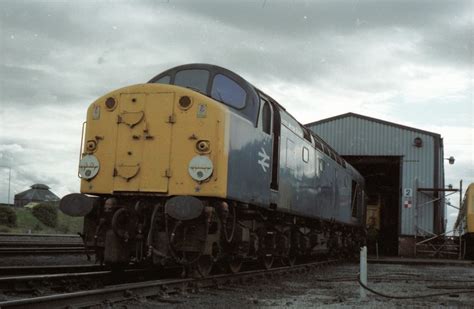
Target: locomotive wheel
{"points": [[235, 264], [267, 261], [203, 266]]}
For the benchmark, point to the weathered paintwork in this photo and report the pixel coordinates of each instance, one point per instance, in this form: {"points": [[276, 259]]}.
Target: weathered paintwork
{"points": [[146, 142], [320, 187], [249, 180], [316, 187]]}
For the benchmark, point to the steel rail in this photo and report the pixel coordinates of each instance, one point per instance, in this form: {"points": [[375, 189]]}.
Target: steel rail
{"points": [[14, 244], [2, 235], [48, 269], [418, 261], [43, 250], [23, 244], [122, 292], [56, 281], [13, 282]]}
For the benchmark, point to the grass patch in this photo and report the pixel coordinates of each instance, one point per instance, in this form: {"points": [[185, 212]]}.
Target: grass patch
{"points": [[26, 222], [68, 224]]}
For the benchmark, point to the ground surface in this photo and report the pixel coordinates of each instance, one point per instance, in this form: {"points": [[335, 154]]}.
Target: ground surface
{"points": [[328, 287], [335, 287]]}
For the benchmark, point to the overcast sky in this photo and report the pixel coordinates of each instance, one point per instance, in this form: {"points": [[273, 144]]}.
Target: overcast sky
{"points": [[409, 62]]}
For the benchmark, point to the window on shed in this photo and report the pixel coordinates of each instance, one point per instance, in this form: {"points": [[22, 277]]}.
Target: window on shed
{"points": [[164, 80], [195, 79], [266, 118], [228, 91]]}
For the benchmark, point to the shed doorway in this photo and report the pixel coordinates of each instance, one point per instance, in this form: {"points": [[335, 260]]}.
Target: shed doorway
{"points": [[382, 180]]}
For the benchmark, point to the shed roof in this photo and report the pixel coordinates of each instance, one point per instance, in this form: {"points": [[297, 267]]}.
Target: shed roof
{"points": [[388, 123], [38, 192]]}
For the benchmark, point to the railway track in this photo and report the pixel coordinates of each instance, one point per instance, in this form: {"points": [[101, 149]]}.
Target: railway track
{"points": [[31, 283], [82, 278], [15, 244], [121, 292], [47, 269]]}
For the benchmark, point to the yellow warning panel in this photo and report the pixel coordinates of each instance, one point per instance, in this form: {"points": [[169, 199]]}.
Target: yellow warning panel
{"points": [[147, 138], [143, 142]]}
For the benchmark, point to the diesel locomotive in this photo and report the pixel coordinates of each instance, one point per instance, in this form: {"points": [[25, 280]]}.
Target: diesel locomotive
{"points": [[198, 168], [465, 222]]}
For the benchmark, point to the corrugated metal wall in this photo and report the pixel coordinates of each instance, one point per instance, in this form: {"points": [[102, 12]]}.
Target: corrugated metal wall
{"points": [[361, 137]]}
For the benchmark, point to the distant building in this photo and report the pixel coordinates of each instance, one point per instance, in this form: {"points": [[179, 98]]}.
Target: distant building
{"points": [[37, 193]]}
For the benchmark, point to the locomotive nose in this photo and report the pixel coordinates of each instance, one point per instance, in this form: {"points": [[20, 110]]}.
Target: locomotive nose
{"points": [[157, 139]]}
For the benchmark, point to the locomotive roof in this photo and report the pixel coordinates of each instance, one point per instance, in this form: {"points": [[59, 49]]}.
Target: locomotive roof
{"points": [[203, 82], [204, 79]]}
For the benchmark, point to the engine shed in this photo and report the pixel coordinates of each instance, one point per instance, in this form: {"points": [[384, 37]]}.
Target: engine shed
{"points": [[404, 172]]}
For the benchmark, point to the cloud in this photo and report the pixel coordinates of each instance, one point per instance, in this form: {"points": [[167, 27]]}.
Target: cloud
{"points": [[41, 145]]}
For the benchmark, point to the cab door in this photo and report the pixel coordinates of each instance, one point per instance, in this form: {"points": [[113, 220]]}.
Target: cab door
{"points": [[276, 129], [269, 123], [142, 155]]}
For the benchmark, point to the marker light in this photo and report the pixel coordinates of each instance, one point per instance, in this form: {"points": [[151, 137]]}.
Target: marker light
{"points": [[91, 145], [185, 102], [203, 146], [110, 103]]}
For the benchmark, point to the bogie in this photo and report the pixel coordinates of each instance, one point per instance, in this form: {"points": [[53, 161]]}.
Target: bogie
{"points": [[220, 235]]}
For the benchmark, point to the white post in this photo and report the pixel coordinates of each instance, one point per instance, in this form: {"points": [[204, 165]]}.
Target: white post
{"points": [[363, 271]]}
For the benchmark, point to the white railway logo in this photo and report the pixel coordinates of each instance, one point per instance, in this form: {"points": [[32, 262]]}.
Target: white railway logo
{"points": [[263, 159]]}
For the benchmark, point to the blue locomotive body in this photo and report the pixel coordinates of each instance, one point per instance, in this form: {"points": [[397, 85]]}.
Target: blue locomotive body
{"points": [[199, 166]]}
